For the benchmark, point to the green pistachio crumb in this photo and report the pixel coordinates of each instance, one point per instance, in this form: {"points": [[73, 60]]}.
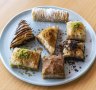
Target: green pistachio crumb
{"points": [[23, 53], [76, 25]]}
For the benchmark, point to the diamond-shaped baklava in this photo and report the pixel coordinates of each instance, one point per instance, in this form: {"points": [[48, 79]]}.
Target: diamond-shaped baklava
{"points": [[48, 38], [24, 58], [53, 66], [73, 50], [76, 31]]}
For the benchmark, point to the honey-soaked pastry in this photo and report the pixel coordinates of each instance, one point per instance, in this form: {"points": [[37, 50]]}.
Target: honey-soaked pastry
{"points": [[76, 31], [53, 67], [48, 38], [24, 58], [23, 34], [73, 50], [51, 15]]}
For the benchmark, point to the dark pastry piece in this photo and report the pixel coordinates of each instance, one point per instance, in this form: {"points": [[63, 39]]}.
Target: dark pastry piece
{"points": [[24, 58], [76, 31], [73, 50], [53, 67], [23, 34]]}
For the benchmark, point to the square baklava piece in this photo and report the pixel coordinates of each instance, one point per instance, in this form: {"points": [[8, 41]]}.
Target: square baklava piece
{"points": [[73, 50], [76, 31], [53, 67], [24, 58], [48, 37]]}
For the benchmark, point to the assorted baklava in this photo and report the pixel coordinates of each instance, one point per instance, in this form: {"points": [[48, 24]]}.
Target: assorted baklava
{"points": [[48, 38], [24, 58], [73, 50], [53, 66], [23, 34], [76, 31]]}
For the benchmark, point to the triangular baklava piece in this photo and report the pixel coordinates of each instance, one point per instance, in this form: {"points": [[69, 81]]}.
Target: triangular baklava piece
{"points": [[48, 38], [22, 35]]}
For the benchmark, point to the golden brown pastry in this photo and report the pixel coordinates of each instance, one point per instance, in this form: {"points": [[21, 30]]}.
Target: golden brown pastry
{"points": [[53, 67], [73, 50], [76, 31], [24, 58], [48, 38], [23, 34]]}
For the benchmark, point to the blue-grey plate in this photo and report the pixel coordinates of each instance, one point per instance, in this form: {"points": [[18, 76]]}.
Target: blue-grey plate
{"points": [[36, 78]]}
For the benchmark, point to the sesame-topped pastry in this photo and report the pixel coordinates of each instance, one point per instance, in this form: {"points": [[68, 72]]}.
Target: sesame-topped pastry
{"points": [[51, 15], [48, 38], [53, 67], [24, 58], [73, 50], [22, 35], [76, 31]]}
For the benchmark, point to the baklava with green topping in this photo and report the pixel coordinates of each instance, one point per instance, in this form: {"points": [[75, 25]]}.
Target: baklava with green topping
{"points": [[24, 58], [76, 31]]}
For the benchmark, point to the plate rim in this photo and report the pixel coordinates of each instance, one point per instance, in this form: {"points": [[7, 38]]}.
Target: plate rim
{"points": [[40, 84]]}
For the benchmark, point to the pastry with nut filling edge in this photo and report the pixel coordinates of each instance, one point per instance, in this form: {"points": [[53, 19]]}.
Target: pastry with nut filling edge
{"points": [[48, 37]]}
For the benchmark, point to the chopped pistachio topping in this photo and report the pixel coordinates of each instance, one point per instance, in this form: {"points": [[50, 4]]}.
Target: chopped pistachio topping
{"points": [[76, 25], [23, 53]]}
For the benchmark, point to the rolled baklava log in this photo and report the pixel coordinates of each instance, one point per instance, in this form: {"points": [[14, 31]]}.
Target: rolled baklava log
{"points": [[23, 34], [76, 31], [74, 50], [51, 15]]}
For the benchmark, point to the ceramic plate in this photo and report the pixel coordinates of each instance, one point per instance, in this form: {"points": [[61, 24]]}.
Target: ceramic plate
{"points": [[72, 72]]}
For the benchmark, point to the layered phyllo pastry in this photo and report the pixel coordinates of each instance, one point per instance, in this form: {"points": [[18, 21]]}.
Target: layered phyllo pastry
{"points": [[24, 58], [76, 31], [23, 34], [48, 38], [51, 15], [73, 50], [53, 67]]}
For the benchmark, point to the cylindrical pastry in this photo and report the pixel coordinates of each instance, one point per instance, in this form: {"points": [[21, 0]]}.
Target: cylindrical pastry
{"points": [[51, 15]]}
